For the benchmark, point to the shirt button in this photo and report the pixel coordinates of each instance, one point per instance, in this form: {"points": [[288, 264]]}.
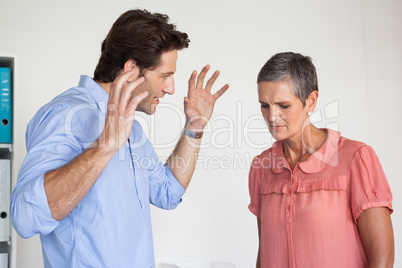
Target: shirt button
{"points": [[289, 207]]}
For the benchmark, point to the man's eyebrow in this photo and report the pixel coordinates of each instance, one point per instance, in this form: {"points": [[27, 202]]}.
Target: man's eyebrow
{"points": [[165, 73], [161, 73]]}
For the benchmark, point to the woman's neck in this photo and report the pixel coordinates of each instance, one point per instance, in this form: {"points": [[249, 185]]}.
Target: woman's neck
{"points": [[299, 148]]}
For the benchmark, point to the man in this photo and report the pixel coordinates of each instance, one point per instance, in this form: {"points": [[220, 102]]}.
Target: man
{"points": [[82, 186]]}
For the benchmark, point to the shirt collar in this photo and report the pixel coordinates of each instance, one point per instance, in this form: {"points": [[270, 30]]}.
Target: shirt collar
{"points": [[96, 91], [327, 154]]}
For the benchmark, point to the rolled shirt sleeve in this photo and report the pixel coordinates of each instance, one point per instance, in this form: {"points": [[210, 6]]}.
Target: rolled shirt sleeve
{"points": [[30, 213], [48, 148], [165, 194]]}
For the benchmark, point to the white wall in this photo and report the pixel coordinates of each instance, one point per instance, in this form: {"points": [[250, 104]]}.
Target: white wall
{"points": [[356, 46]]}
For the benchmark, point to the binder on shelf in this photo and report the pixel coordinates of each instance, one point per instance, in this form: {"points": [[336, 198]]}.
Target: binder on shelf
{"points": [[5, 178], [3, 260], [5, 106]]}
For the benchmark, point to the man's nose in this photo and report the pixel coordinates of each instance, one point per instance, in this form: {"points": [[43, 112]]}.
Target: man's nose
{"points": [[169, 87]]}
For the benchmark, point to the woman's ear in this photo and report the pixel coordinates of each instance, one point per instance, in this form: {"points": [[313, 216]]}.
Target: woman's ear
{"points": [[311, 101]]}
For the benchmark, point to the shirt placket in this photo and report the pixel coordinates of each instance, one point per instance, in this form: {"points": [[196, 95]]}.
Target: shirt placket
{"points": [[136, 176], [289, 214]]}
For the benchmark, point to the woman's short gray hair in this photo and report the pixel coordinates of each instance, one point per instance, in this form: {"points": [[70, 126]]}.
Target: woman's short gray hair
{"points": [[293, 67]]}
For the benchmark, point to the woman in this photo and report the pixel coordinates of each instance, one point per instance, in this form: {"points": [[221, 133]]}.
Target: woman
{"points": [[321, 200]]}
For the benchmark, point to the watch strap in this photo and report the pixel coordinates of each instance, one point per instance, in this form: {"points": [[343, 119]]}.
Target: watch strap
{"points": [[192, 134]]}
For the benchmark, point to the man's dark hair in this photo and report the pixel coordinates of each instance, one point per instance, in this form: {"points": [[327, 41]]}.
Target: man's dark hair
{"points": [[299, 70], [141, 36]]}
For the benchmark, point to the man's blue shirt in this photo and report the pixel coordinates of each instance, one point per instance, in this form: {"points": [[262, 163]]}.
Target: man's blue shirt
{"points": [[111, 227]]}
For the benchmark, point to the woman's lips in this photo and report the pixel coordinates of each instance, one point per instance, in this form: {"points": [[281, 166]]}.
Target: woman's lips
{"points": [[276, 127]]}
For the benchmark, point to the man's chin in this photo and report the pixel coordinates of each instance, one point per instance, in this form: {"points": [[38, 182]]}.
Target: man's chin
{"points": [[147, 110], [150, 112]]}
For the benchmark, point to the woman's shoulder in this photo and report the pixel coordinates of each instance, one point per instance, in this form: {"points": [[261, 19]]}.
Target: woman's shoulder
{"points": [[350, 144], [349, 148]]}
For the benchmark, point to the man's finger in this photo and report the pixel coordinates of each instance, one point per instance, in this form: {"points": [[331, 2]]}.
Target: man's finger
{"points": [[117, 85], [201, 76], [123, 77], [191, 81], [133, 103], [211, 81], [221, 91], [129, 87]]}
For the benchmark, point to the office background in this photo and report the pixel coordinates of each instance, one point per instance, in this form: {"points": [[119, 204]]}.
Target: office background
{"points": [[356, 46]]}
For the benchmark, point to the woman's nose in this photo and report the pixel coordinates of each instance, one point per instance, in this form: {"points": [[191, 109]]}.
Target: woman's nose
{"points": [[273, 116]]}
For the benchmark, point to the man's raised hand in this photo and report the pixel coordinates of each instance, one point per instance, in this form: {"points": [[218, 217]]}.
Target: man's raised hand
{"points": [[121, 109], [200, 102]]}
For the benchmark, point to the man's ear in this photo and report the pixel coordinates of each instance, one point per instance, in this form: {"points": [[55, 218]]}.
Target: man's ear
{"points": [[129, 65]]}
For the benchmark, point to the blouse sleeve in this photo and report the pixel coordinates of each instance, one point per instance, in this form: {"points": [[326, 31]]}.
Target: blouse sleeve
{"points": [[254, 187], [369, 186]]}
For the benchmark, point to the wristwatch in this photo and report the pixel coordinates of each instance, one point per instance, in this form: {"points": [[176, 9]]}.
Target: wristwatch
{"points": [[192, 134]]}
